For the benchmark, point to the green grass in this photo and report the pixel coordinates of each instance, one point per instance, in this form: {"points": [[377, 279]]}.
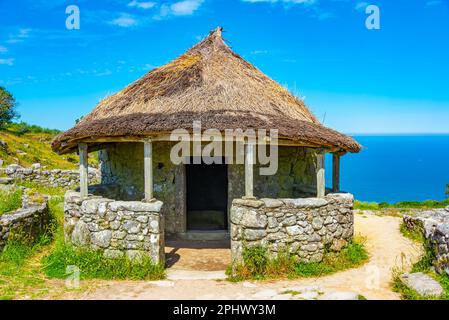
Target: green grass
{"points": [[28, 144], [17, 277], [93, 265], [428, 204], [10, 200], [258, 266], [423, 265]]}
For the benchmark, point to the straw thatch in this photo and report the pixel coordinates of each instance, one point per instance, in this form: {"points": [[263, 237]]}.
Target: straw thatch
{"points": [[209, 83]]}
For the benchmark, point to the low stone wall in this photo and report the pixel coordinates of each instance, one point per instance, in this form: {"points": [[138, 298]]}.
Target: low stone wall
{"points": [[52, 178], [434, 225], [115, 227], [27, 224], [304, 227]]}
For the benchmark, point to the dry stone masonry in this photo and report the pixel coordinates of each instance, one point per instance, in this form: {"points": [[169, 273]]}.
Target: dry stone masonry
{"points": [[52, 178], [115, 227], [434, 225], [304, 227], [26, 224]]}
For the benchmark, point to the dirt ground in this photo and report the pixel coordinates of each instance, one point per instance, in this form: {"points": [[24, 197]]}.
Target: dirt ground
{"points": [[197, 255], [388, 249]]}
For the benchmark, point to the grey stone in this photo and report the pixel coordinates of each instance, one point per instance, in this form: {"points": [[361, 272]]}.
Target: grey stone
{"points": [[294, 230], [272, 203], [6, 180], [131, 226], [253, 219], [254, 234], [101, 239], [422, 284], [289, 221], [237, 214], [317, 223], [248, 203], [306, 202], [136, 206], [81, 235]]}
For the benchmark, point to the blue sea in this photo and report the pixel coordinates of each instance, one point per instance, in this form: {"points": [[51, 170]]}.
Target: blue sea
{"points": [[396, 168]]}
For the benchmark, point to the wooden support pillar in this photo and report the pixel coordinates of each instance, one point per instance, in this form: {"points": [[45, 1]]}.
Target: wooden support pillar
{"points": [[249, 167], [320, 178], [148, 167], [82, 147], [335, 172]]}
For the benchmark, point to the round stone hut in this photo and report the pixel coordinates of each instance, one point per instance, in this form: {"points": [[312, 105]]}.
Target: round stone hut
{"points": [[267, 188]]}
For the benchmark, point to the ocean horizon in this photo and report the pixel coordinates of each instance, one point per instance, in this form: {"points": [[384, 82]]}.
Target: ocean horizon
{"points": [[396, 167]]}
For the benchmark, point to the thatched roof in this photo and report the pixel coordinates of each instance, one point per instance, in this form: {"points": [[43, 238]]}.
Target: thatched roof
{"points": [[209, 83]]}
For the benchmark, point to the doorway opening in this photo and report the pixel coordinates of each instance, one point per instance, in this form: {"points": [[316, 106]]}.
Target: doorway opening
{"points": [[207, 197]]}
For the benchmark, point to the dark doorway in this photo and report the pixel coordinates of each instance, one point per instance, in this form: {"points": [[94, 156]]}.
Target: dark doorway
{"points": [[207, 196]]}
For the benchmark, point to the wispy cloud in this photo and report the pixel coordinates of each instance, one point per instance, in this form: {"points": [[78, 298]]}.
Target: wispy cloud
{"points": [[361, 6], [180, 8], [282, 1], [8, 62], [259, 52], [434, 2], [3, 49], [20, 36], [142, 4], [125, 20]]}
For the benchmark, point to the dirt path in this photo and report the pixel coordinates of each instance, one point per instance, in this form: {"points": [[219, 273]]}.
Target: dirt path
{"points": [[386, 245]]}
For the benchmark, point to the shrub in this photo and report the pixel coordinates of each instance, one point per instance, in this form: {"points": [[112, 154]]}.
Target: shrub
{"points": [[257, 265], [93, 265], [7, 107]]}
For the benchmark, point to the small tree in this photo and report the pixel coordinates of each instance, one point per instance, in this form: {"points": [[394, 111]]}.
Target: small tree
{"points": [[7, 108]]}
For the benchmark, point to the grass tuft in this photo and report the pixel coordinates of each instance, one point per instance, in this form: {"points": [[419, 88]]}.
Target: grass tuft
{"points": [[93, 265], [10, 200], [425, 265], [258, 266]]}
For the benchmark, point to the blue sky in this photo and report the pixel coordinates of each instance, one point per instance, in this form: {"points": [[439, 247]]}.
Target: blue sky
{"points": [[392, 80]]}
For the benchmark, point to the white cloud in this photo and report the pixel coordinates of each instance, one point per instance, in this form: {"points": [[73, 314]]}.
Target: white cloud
{"points": [[3, 49], [282, 1], [20, 36], [185, 7], [8, 62], [124, 21], [433, 2], [361, 6], [259, 52], [142, 5]]}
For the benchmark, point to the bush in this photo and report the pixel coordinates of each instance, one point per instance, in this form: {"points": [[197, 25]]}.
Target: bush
{"points": [[21, 128], [93, 265], [257, 265], [7, 108]]}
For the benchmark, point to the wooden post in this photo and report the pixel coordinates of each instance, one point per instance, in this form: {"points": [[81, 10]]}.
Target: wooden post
{"points": [[249, 175], [335, 172], [82, 147], [320, 179], [148, 167]]}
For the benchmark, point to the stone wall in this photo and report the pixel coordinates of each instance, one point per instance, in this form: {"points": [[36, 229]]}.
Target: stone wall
{"points": [[115, 227], [122, 163], [434, 225], [26, 224], [304, 227], [52, 178]]}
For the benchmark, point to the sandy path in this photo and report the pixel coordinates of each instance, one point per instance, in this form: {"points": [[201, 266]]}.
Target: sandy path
{"points": [[386, 246]]}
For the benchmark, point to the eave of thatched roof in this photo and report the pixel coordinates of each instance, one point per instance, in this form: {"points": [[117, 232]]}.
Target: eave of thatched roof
{"points": [[209, 83]]}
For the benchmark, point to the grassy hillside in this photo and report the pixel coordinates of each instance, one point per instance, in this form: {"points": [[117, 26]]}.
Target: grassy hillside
{"points": [[24, 144]]}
